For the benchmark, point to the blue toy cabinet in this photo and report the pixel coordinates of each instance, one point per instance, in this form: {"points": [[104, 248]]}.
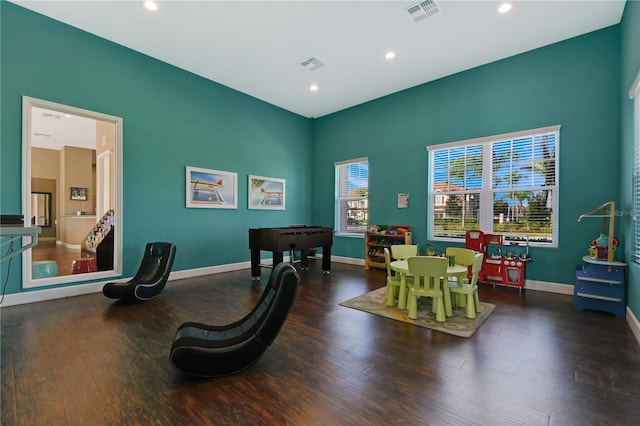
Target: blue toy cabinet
{"points": [[600, 285]]}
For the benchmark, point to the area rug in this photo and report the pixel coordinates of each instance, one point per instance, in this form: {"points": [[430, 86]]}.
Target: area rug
{"points": [[459, 325]]}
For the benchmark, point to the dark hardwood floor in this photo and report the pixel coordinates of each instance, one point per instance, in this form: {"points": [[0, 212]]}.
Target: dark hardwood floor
{"points": [[89, 361]]}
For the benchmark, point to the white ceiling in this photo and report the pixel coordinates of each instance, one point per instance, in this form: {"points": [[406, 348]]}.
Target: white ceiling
{"points": [[257, 47], [55, 129]]}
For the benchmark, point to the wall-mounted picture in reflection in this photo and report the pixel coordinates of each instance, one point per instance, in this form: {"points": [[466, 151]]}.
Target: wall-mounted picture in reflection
{"points": [[78, 194], [266, 193], [212, 189]]}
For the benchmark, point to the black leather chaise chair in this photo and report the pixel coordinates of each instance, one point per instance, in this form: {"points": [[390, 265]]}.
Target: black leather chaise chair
{"points": [[150, 278], [215, 351]]}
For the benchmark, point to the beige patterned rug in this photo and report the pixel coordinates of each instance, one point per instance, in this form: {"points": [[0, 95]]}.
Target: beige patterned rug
{"points": [[458, 325]]}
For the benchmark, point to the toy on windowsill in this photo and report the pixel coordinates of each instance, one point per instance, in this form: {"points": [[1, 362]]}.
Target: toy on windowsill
{"points": [[599, 248]]}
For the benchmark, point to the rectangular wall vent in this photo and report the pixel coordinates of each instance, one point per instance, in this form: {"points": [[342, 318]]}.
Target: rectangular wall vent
{"points": [[50, 115], [422, 10], [312, 64]]}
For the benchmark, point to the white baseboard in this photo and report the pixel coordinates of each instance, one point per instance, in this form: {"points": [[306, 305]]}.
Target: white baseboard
{"points": [[210, 270], [68, 245], [634, 325], [348, 260], [77, 290], [548, 287], [51, 294], [96, 287]]}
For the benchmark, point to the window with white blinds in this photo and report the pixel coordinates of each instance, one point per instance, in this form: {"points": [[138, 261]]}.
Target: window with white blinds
{"points": [[499, 184], [352, 189], [635, 94]]}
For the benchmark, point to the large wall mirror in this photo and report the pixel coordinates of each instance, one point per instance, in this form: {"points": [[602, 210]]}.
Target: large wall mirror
{"points": [[72, 188]]}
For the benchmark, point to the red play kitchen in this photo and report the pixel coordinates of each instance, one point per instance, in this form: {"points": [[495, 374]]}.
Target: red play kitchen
{"points": [[502, 264]]}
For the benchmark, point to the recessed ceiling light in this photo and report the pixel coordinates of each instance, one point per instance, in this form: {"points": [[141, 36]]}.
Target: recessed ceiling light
{"points": [[504, 7], [151, 5], [314, 87], [390, 55]]}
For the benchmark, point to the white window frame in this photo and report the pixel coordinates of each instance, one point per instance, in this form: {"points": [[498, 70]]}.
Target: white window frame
{"points": [[634, 93], [487, 191], [340, 227]]}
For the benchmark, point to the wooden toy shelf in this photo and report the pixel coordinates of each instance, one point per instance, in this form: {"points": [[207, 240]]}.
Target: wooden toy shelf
{"points": [[375, 243]]}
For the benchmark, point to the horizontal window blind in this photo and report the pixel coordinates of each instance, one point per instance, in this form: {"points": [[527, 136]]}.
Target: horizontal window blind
{"points": [[506, 184], [352, 189], [636, 170]]}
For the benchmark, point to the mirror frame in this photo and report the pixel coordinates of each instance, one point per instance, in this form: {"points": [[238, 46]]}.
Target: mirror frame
{"points": [[28, 104], [48, 208]]}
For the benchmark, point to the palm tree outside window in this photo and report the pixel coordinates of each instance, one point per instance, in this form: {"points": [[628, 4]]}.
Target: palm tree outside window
{"points": [[499, 184]]}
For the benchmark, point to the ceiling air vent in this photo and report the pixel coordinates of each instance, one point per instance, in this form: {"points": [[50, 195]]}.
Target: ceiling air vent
{"points": [[312, 64], [422, 10]]}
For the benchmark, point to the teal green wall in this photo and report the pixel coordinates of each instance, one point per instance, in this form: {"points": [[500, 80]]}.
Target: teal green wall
{"points": [[172, 119], [574, 83], [630, 30]]}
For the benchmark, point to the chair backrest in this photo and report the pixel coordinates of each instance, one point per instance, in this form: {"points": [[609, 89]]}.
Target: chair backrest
{"points": [[264, 319], [157, 260], [284, 287], [477, 266], [463, 256], [387, 261], [428, 270], [404, 251], [221, 350]]}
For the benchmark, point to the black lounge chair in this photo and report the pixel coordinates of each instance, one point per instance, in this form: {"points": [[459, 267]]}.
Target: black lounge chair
{"points": [[215, 351], [150, 278]]}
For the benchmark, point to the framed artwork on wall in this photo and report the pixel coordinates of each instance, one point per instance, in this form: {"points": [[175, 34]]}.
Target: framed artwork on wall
{"points": [[78, 194], [266, 193], [212, 189]]}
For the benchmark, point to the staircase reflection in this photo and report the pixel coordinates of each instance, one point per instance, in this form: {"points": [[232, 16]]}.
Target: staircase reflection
{"points": [[97, 244]]}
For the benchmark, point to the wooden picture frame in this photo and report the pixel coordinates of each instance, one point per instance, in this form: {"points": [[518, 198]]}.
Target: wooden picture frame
{"points": [[78, 194]]}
